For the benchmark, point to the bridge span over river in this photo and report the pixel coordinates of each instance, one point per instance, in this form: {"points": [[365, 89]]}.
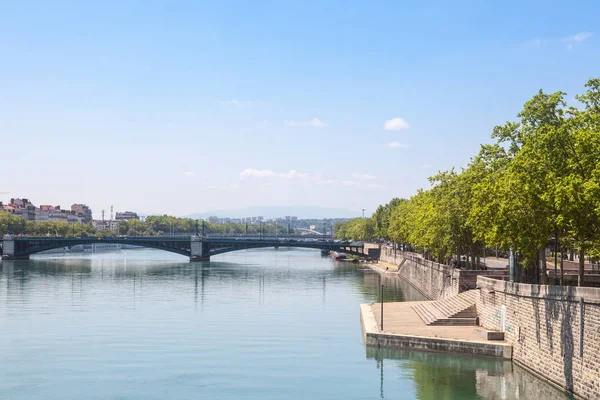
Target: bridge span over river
{"points": [[197, 248]]}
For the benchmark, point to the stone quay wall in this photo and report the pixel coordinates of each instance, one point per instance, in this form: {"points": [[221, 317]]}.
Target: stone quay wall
{"points": [[431, 279], [554, 330]]}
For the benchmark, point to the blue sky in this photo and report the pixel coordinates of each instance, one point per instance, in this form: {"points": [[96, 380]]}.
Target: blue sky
{"points": [[186, 107]]}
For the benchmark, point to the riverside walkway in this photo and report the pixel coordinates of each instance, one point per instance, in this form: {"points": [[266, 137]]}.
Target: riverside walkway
{"points": [[405, 325], [404, 328]]}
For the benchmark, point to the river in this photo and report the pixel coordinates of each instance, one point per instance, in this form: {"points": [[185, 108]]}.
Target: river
{"points": [[254, 324]]}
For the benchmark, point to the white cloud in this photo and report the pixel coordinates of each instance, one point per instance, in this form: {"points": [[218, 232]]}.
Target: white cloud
{"points": [[580, 37], [577, 38], [256, 173], [397, 145], [362, 177], [395, 124], [349, 183], [293, 174], [267, 173], [315, 123], [189, 173], [325, 182], [375, 186], [267, 184], [425, 166], [211, 187]]}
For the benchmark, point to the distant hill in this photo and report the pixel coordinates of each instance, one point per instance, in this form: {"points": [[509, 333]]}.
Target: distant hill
{"points": [[303, 212]]}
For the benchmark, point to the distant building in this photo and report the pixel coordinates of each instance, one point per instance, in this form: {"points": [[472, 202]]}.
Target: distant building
{"points": [[22, 203], [54, 213], [21, 207], [104, 225], [213, 220], [83, 212], [126, 216]]}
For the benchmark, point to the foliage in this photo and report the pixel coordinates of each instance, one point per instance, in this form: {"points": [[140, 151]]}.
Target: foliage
{"points": [[538, 182]]}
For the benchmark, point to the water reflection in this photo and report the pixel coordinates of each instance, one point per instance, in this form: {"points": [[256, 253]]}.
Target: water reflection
{"points": [[262, 324], [448, 376], [22, 272]]}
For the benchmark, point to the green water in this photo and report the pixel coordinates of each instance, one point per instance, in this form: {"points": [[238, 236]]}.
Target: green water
{"points": [[256, 324]]}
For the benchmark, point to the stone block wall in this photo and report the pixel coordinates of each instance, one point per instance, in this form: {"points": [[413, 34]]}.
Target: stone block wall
{"points": [[433, 280], [543, 324]]}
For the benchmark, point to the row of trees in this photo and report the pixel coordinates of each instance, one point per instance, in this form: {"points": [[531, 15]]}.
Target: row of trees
{"points": [[167, 225], [151, 226], [537, 186]]}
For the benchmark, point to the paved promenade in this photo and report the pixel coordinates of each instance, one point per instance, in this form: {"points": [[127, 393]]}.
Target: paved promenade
{"points": [[401, 319], [402, 327]]}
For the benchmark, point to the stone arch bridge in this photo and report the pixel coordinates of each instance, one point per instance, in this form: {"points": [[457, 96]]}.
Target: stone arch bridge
{"points": [[197, 248]]}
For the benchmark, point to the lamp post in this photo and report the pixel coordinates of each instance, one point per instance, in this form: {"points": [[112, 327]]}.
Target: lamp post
{"points": [[382, 308]]}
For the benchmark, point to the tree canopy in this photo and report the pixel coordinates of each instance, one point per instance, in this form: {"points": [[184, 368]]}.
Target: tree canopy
{"points": [[537, 184]]}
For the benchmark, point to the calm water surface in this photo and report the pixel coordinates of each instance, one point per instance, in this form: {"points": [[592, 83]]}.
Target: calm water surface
{"points": [[256, 324]]}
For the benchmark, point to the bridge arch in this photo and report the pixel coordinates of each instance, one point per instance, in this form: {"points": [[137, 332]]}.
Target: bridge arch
{"points": [[228, 249], [24, 247]]}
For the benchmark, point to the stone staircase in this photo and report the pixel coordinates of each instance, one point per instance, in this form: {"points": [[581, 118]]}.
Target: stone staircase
{"points": [[455, 310], [401, 264]]}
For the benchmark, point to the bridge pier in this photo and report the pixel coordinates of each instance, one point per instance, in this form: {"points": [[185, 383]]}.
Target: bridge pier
{"points": [[197, 250], [8, 249], [9, 257], [200, 258]]}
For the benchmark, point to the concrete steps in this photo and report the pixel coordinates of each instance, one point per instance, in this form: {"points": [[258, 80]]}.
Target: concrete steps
{"points": [[455, 310], [401, 264]]}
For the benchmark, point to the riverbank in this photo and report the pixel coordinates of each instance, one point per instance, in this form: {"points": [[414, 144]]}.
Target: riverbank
{"points": [[553, 331], [404, 328]]}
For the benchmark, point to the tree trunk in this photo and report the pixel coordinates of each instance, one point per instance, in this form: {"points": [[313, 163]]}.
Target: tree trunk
{"points": [[477, 262], [571, 255], [581, 266]]}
